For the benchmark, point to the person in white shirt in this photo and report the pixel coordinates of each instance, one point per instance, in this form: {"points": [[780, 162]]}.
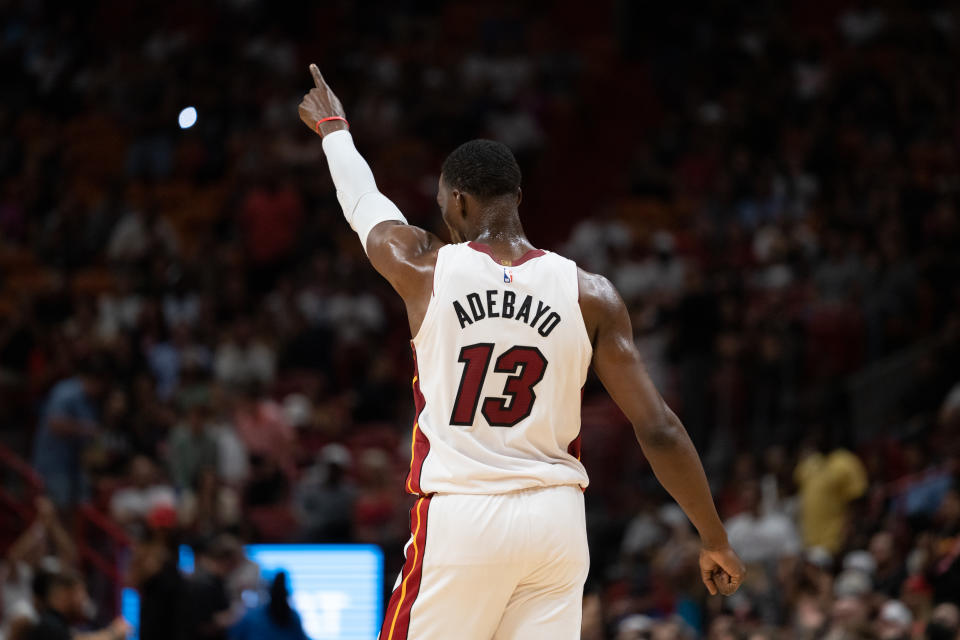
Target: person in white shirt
{"points": [[761, 537], [133, 503]]}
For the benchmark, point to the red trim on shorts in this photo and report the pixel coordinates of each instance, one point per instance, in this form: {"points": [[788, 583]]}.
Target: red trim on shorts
{"points": [[419, 443], [396, 623], [529, 255]]}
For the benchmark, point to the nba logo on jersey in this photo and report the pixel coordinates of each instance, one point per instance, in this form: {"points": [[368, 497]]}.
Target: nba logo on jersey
{"points": [[507, 276]]}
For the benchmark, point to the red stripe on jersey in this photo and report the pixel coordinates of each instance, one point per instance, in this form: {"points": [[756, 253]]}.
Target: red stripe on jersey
{"points": [[574, 447], [529, 255], [396, 623], [419, 443]]}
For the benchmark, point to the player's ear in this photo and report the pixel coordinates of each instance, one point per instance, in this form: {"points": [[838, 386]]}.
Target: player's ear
{"points": [[519, 196], [461, 200]]}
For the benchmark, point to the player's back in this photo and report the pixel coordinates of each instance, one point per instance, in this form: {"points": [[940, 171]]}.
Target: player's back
{"points": [[502, 355]]}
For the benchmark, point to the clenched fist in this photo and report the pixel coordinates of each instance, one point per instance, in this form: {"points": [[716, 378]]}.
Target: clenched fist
{"points": [[721, 570]]}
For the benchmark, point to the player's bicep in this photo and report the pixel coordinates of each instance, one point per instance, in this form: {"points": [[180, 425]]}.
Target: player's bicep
{"points": [[402, 253]]}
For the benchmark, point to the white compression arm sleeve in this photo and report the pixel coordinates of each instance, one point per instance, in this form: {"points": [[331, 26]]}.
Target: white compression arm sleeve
{"points": [[363, 205]]}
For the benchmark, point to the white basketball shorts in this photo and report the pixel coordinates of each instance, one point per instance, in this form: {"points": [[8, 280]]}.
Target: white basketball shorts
{"points": [[492, 567]]}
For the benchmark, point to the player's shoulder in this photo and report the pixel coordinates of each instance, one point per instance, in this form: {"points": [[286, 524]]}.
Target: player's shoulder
{"points": [[403, 241], [600, 303], [405, 255], [596, 288]]}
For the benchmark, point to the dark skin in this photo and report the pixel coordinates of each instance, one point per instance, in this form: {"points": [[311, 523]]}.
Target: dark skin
{"points": [[407, 256]]}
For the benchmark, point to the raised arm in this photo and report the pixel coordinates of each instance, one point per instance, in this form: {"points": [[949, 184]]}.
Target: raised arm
{"points": [[662, 437], [403, 254]]}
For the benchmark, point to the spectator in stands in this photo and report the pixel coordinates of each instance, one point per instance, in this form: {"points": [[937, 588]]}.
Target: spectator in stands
{"points": [[644, 532], [192, 448], [671, 629], [70, 417], [118, 310], [233, 464], [850, 614], [376, 505], [207, 605], [675, 564], [889, 574], [270, 218], [45, 541], [325, 497], [828, 482], [154, 573], [895, 621], [211, 506], [760, 537], [110, 452], [354, 314], [262, 426], [944, 623], [181, 305], [275, 620], [942, 551], [243, 575], [267, 486], [151, 422], [243, 358], [763, 540], [62, 599], [139, 233], [130, 505], [659, 277]]}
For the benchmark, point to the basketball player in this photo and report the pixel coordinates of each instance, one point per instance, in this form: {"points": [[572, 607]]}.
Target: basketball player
{"points": [[504, 334]]}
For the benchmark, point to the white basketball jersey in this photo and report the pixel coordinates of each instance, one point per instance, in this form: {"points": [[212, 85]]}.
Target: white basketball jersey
{"points": [[501, 359]]}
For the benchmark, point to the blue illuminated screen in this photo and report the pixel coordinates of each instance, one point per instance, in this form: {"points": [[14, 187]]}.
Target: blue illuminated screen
{"points": [[336, 589]]}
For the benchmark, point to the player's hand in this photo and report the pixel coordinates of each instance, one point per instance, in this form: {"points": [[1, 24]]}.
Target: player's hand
{"points": [[321, 103], [722, 570]]}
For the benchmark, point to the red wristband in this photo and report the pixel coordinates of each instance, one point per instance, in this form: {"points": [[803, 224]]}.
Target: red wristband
{"points": [[317, 127]]}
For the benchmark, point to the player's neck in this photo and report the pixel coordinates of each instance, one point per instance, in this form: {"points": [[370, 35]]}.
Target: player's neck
{"points": [[504, 234]]}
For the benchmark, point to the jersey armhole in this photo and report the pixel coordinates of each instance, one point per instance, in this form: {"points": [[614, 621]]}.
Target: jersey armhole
{"points": [[436, 284], [583, 323], [438, 270]]}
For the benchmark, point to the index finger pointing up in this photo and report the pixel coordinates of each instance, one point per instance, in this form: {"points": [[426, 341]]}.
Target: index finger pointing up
{"points": [[317, 78]]}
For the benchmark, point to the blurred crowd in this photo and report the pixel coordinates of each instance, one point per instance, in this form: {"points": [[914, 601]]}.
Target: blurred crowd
{"points": [[192, 342]]}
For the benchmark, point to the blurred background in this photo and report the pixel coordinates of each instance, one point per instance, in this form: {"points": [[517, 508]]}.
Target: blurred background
{"points": [[194, 350]]}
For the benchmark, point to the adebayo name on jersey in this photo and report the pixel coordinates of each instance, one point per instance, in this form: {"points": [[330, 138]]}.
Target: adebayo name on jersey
{"points": [[494, 303]]}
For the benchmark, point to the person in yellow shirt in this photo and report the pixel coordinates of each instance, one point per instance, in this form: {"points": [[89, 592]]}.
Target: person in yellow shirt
{"points": [[828, 484]]}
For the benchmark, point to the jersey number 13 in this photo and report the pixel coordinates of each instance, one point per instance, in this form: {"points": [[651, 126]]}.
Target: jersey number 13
{"points": [[499, 412]]}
